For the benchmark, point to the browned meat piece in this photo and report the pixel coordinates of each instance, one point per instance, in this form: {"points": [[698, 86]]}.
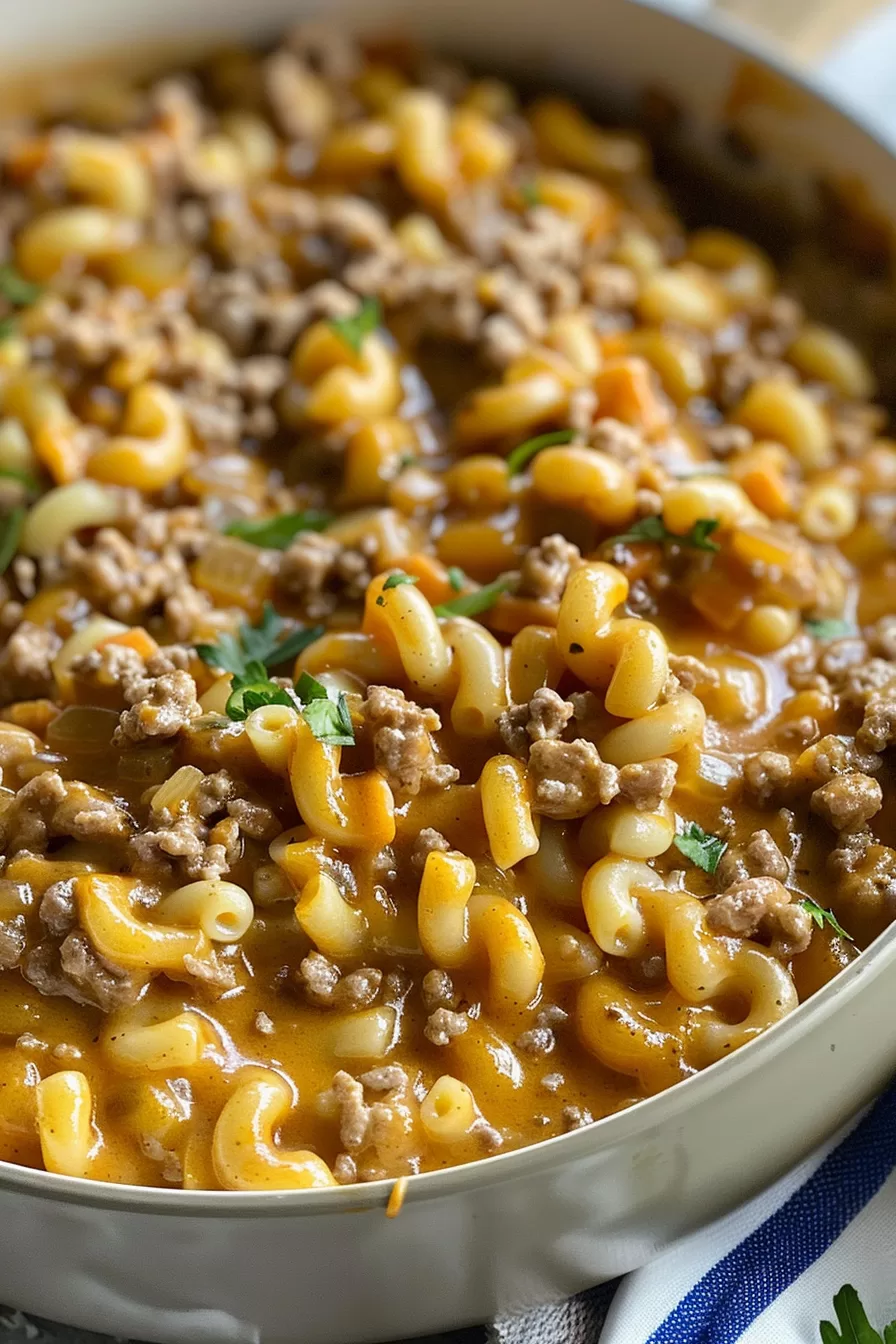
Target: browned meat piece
{"points": [[48, 806], [546, 568], [847, 801], [75, 971], [759, 857], [25, 663], [648, 783], [437, 991], [443, 1024], [569, 778], [426, 842], [767, 773], [327, 987], [161, 707], [403, 749], [761, 905], [545, 716]]}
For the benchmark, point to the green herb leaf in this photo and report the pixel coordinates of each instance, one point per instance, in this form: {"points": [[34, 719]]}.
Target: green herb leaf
{"points": [[254, 648], [329, 720], [7, 328], [456, 577], [21, 293], [821, 916], [30, 483], [353, 329], [398, 578], [10, 536], [248, 695], [471, 604], [276, 533], [702, 848], [523, 455], [829, 629], [289, 648], [406, 460], [654, 529], [530, 194], [855, 1328]]}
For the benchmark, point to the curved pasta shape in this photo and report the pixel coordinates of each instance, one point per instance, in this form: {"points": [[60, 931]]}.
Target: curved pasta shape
{"points": [[107, 172], [516, 963], [701, 967], [336, 928], [442, 923], [84, 231], [512, 408], [613, 913], [424, 156], [627, 656], [479, 666], [343, 385], [104, 905], [624, 829], [411, 626], [586, 479], [55, 433], [170, 1046], [63, 511], [455, 923], [152, 451], [222, 910], [660, 732], [351, 651], [353, 810], [448, 1111], [65, 1123], [271, 729], [244, 1151], [507, 810]]}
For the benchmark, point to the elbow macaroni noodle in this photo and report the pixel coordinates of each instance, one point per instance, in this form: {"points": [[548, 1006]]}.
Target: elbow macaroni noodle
{"points": [[425, 567]]}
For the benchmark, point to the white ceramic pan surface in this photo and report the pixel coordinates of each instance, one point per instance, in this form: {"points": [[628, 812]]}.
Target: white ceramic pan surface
{"points": [[327, 1267]]}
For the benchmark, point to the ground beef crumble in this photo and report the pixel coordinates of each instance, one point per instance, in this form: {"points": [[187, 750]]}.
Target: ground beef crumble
{"points": [[403, 749], [763, 906]]}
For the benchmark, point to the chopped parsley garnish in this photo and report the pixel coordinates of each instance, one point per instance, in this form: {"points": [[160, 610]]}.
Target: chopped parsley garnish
{"points": [[702, 848], [7, 328], [456, 577], [398, 578], [353, 329], [276, 533], [523, 455], [821, 916], [257, 646], [855, 1328], [253, 691], [328, 719], [829, 629], [699, 537], [406, 460], [10, 536], [18, 291], [530, 194], [471, 604], [395, 581]]}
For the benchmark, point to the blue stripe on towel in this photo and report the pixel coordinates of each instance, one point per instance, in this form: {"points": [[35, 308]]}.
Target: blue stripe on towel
{"points": [[730, 1296]]}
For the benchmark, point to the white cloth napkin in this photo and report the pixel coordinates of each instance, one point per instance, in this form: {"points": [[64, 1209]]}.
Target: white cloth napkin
{"points": [[766, 1274]]}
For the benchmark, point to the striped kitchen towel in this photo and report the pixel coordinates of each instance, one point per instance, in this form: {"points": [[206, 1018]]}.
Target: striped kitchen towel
{"points": [[767, 1273]]}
